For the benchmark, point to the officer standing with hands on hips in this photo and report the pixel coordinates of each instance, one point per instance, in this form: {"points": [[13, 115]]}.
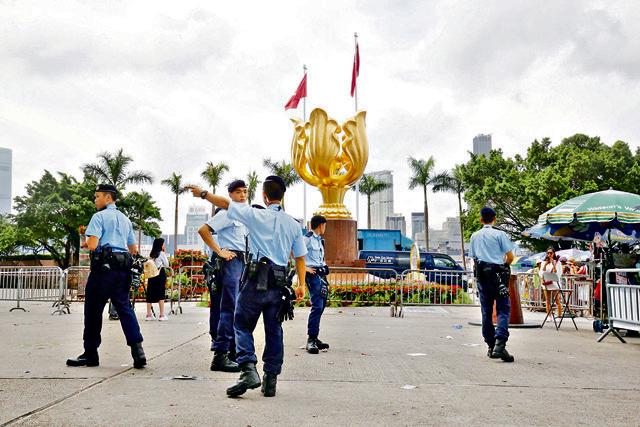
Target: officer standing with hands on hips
{"points": [[316, 279], [111, 240], [273, 236], [228, 254], [493, 253]]}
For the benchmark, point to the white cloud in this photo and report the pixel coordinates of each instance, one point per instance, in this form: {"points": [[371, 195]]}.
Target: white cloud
{"points": [[180, 84]]}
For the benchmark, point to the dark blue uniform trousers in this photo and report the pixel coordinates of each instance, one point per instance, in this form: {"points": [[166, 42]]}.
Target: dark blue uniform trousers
{"points": [[214, 315], [251, 303], [318, 303], [488, 295], [230, 282], [102, 286]]}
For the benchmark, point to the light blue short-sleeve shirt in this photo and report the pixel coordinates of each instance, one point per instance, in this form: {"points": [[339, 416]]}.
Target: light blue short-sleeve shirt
{"points": [[490, 245], [315, 250], [112, 228], [272, 233], [231, 234]]}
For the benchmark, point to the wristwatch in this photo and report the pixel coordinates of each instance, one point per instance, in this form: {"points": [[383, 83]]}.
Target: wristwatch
{"points": [[203, 194]]}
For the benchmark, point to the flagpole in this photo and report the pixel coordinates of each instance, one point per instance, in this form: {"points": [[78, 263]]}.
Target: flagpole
{"points": [[355, 38], [304, 184]]}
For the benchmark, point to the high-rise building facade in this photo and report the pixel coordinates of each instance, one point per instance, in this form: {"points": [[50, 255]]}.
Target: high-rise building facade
{"points": [[382, 201], [197, 216], [396, 222], [5, 180], [417, 224], [481, 144]]}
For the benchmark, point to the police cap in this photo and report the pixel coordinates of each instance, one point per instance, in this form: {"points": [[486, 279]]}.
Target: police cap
{"points": [[106, 188], [234, 185], [487, 214], [277, 180]]}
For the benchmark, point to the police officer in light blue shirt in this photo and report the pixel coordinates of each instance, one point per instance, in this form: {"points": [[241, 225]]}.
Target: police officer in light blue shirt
{"points": [[110, 239], [229, 249], [316, 279], [273, 237], [493, 253]]}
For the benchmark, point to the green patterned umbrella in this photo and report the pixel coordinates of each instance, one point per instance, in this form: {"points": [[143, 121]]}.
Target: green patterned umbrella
{"points": [[601, 207]]}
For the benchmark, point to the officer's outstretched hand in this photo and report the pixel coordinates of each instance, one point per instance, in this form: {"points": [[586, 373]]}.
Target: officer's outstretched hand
{"points": [[195, 190]]}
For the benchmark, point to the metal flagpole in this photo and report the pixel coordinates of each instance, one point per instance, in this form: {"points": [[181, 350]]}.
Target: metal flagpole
{"points": [[355, 38], [304, 184]]}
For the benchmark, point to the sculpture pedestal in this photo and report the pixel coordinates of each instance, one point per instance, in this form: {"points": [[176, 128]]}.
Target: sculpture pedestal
{"points": [[341, 243]]}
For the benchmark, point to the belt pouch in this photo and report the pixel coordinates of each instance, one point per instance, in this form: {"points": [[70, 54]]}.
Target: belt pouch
{"points": [[262, 276]]}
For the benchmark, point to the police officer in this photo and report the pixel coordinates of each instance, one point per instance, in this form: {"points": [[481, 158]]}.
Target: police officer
{"points": [[111, 240], [493, 253], [316, 279], [273, 236], [229, 249]]}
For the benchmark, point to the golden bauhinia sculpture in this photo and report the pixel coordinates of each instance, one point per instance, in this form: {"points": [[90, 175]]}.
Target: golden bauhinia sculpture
{"points": [[330, 157]]}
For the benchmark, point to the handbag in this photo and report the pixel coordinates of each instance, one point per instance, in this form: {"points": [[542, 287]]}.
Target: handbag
{"points": [[150, 269]]}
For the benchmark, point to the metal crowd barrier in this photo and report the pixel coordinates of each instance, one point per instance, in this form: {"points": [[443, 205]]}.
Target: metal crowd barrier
{"points": [[362, 286], [26, 283], [190, 284], [532, 292], [623, 305], [437, 287]]}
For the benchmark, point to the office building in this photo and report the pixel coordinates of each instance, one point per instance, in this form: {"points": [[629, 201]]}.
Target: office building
{"points": [[382, 201], [417, 224], [5, 180], [396, 222], [482, 144]]}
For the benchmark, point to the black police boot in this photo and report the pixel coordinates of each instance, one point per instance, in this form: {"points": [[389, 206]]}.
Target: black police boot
{"points": [[85, 359], [232, 354], [312, 347], [490, 351], [249, 379], [221, 362], [269, 382], [322, 345], [500, 352], [139, 359]]}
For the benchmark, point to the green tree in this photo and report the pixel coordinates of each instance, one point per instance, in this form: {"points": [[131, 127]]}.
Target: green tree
{"points": [[422, 176], [451, 182], [112, 168], [142, 211], [368, 186], [51, 212], [175, 184], [522, 188], [13, 238], [212, 174], [252, 185], [284, 170]]}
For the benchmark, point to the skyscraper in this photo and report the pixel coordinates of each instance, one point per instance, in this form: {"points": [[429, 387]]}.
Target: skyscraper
{"points": [[417, 224], [195, 218], [382, 201], [481, 144], [396, 222], [5, 180]]}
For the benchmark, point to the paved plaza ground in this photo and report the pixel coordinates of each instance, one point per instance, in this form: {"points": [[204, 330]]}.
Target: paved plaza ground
{"points": [[420, 370]]}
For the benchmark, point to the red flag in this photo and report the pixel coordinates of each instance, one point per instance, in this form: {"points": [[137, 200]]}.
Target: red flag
{"points": [[301, 92], [356, 70]]}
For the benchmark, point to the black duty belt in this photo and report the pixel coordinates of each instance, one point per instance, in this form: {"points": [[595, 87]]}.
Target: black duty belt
{"points": [[111, 261], [265, 273]]}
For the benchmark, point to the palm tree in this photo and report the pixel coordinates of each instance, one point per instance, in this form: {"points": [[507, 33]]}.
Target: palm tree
{"points": [[451, 182], [252, 185], [422, 177], [112, 169], [213, 175], [142, 210], [284, 170], [368, 186], [174, 182]]}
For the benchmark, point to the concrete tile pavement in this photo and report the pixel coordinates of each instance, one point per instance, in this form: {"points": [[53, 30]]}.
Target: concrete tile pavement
{"points": [[419, 370]]}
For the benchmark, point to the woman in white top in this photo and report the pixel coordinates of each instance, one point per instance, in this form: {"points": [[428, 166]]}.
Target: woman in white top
{"points": [[550, 264], [156, 285]]}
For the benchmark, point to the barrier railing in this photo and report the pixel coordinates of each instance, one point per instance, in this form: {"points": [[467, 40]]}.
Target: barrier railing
{"points": [[531, 291], [623, 305], [580, 300], [437, 287], [44, 284], [189, 284], [361, 286]]}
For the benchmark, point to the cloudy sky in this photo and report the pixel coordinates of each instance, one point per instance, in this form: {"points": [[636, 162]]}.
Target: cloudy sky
{"points": [[178, 84]]}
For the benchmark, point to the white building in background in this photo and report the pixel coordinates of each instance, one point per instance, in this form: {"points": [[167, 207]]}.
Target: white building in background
{"points": [[197, 216], [396, 222], [482, 144], [445, 240], [5, 180], [417, 224], [382, 201]]}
